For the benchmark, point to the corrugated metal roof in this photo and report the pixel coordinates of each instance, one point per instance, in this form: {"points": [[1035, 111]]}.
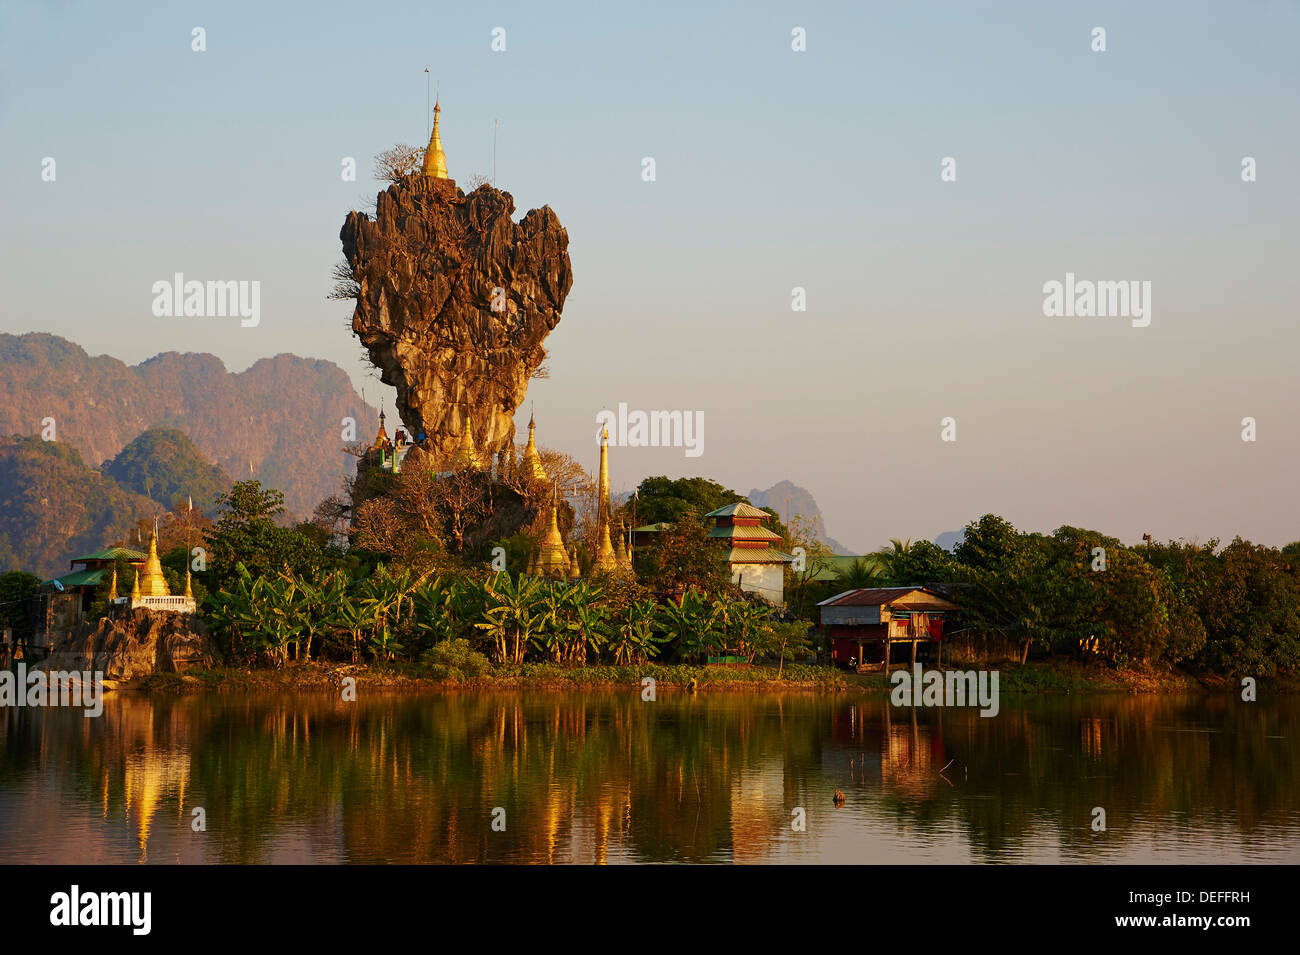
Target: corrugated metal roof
{"points": [[744, 533], [898, 596], [757, 555], [112, 553], [739, 509], [84, 578]]}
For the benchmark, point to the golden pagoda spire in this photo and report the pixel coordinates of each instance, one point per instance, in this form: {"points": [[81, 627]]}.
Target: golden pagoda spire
{"points": [[467, 455], [575, 571], [381, 439], [435, 160], [135, 583], [112, 584], [154, 583], [552, 559], [532, 459], [188, 592], [622, 553], [606, 559], [602, 492]]}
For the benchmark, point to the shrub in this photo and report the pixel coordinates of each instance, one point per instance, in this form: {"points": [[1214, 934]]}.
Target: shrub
{"points": [[454, 660]]}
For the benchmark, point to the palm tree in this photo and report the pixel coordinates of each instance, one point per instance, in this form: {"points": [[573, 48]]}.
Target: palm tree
{"points": [[863, 572], [892, 557]]}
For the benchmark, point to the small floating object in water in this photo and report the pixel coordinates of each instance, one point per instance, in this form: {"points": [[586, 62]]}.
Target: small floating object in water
{"points": [[839, 798], [692, 686]]}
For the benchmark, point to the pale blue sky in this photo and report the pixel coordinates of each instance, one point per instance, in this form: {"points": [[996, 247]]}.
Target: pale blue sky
{"points": [[775, 169]]}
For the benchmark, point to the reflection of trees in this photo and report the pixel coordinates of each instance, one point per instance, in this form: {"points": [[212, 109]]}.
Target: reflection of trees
{"points": [[604, 777], [1151, 763]]}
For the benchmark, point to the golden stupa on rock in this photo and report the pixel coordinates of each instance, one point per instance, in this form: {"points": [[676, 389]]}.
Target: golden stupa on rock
{"points": [[152, 582], [435, 160]]}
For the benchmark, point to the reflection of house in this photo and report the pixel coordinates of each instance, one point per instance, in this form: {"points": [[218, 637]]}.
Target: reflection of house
{"points": [[867, 622], [755, 565]]}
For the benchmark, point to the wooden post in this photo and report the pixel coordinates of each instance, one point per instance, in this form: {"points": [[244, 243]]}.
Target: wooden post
{"points": [[884, 668], [914, 652]]}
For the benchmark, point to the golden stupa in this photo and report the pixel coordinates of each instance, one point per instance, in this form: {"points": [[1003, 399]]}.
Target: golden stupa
{"points": [[151, 582], [552, 559], [467, 453], [532, 460], [435, 160], [606, 559]]}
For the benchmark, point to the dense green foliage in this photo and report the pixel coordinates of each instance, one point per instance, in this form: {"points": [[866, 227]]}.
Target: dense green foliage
{"points": [[661, 499], [163, 464], [54, 508], [246, 533], [16, 588], [392, 615], [1233, 612]]}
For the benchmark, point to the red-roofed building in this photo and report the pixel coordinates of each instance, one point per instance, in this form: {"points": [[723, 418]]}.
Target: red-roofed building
{"points": [[863, 624], [755, 564]]}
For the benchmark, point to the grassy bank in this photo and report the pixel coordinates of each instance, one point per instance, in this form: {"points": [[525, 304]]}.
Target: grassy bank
{"points": [[329, 677], [1069, 676], [1035, 677]]}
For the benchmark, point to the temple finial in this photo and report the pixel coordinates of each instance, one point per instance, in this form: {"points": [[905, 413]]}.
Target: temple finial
{"points": [[435, 160]]}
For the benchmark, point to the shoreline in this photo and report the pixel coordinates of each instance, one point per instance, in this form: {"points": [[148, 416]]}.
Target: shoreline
{"points": [[1051, 678]]}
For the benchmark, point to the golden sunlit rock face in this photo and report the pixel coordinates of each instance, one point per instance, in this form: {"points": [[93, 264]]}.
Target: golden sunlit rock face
{"points": [[454, 302]]}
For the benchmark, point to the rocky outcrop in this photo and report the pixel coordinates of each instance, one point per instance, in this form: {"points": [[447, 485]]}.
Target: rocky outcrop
{"points": [[789, 500], [282, 415], [454, 302], [135, 645]]}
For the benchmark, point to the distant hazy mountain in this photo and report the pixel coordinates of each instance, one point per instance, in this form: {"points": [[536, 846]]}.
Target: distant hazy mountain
{"points": [[949, 539], [283, 415], [789, 500], [163, 464], [54, 507]]}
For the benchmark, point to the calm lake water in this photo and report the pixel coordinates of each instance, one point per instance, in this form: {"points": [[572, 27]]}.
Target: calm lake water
{"points": [[603, 777]]}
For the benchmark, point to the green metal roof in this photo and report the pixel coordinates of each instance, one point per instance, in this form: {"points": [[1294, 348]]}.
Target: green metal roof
{"points": [[757, 555], [652, 528], [739, 509], [83, 578], [744, 533], [112, 553]]}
